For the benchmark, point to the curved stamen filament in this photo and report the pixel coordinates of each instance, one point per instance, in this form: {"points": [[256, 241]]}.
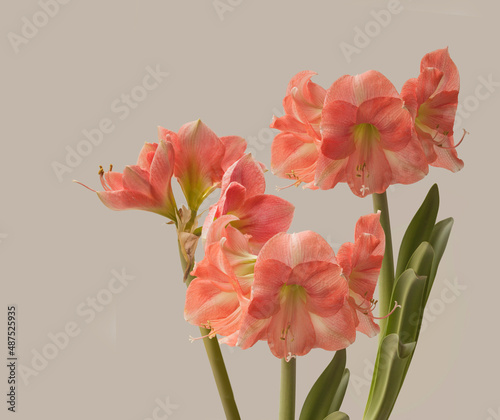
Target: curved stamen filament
{"points": [[396, 306], [458, 144]]}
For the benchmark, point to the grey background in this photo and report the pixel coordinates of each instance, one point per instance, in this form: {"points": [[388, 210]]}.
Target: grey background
{"points": [[59, 245]]}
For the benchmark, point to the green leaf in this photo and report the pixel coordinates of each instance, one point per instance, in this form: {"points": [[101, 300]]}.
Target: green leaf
{"points": [[420, 228], [320, 397], [408, 292], [390, 369], [438, 240], [337, 416], [338, 398]]}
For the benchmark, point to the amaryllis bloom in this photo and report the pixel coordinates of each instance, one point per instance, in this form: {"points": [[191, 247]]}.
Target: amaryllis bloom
{"points": [[368, 138], [295, 150], [361, 262], [144, 186], [259, 216], [201, 158], [432, 100], [299, 299], [218, 297]]}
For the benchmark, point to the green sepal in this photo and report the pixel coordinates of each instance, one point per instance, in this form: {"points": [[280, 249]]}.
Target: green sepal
{"points": [[322, 393]]}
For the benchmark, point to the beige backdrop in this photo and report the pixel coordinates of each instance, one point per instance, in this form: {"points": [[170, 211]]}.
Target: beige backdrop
{"points": [[65, 68]]}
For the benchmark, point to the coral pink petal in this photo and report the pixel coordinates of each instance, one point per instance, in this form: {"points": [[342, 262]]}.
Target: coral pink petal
{"points": [[438, 113], [408, 165], [335, 332], [145, 155], [441, 60], [247, 172], [218, 227], [288, 123], [428, 82], [205, 301], [263, 216], [448, 158], [324, 284], [297, 248], [162, 168], [376, 176], [270, 276], [290, 155], [234, 149], [409, 96], [359, 88], [127, 200], [252, 330], [136, 179], [329, 172], [199, 153], [337, 121], [114, 180], [371, 224], [393, 122], [290, 331]]}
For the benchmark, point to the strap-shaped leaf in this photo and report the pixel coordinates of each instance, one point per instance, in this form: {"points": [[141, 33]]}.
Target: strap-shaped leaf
{"points": [[338, 398], [337, 416], [438, 240], [420, 228], [390, 369], [409, 293], [320, 397]]}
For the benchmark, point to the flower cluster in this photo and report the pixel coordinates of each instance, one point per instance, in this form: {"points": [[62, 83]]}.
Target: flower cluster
{"points": [[257, 282], [363, 132]]}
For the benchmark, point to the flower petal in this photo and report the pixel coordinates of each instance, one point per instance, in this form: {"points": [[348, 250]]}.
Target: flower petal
{"points": [[297, 248], [234, 149]]}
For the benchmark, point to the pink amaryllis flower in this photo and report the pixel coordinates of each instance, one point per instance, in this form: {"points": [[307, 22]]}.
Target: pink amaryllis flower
{"points": [[299, 299], [218, 297], [201, 158], [259, 216], [368, 138], [144, 186], [361, 262], [295, 150], [432, 100]]}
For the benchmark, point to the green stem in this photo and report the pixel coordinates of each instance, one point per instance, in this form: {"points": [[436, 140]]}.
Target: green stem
{"points": [[220, 375], [287, 393], [218, 366], [386, 278]]}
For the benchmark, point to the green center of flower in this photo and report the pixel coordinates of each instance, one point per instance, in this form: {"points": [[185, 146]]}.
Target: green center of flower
{"points": [[291, 293], [365, 134]]}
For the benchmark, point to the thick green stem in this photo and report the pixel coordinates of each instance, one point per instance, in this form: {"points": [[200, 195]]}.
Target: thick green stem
{"points": [[218, 366], [287, 393], [386, 278], [220, 375]]}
